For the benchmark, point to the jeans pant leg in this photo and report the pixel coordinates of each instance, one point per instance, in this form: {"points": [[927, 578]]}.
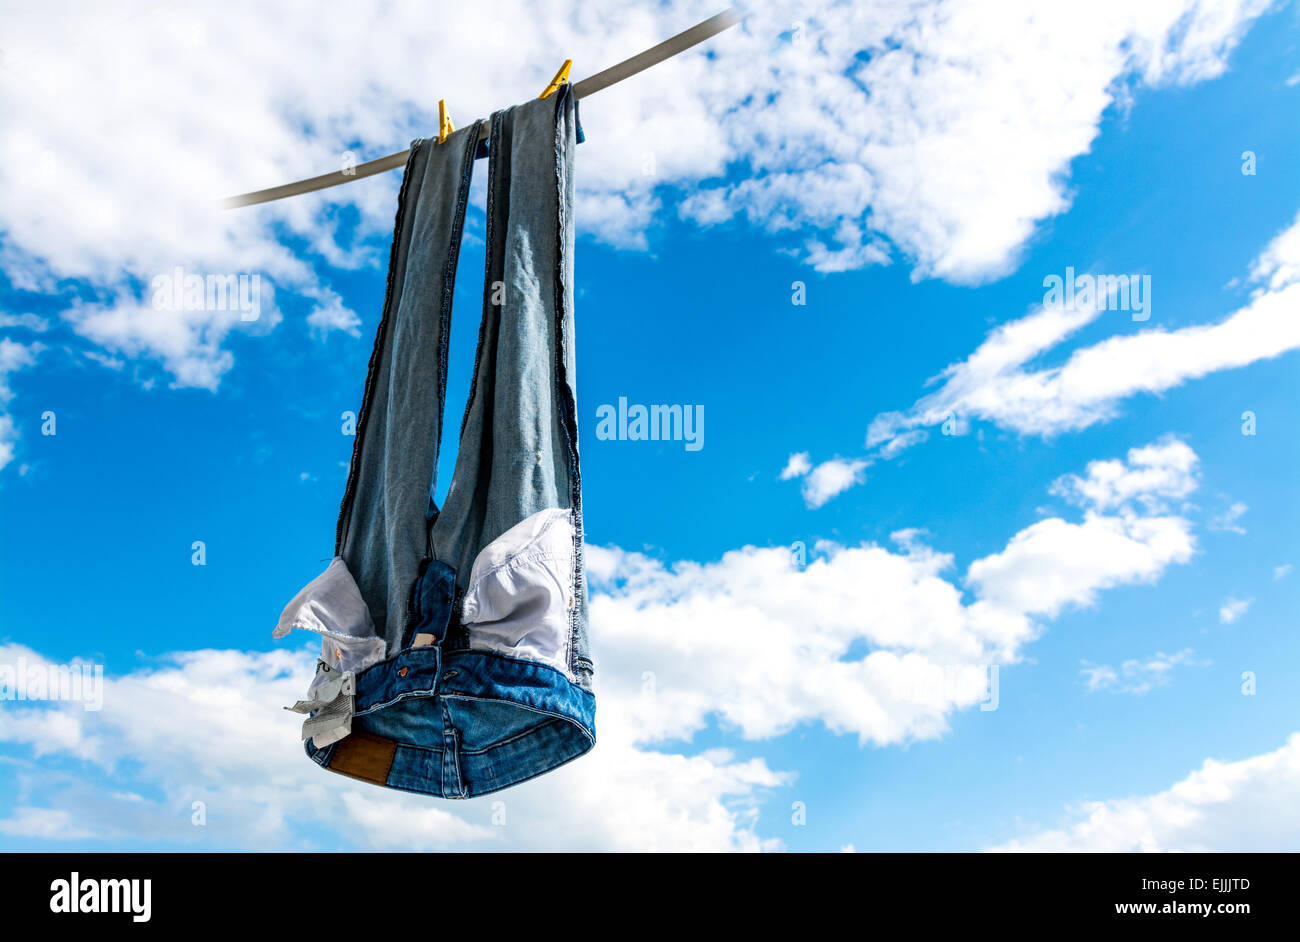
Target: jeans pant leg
{"points": [[518, 455], [382, 527]]}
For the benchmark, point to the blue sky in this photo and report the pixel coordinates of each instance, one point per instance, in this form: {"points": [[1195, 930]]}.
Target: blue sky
{"points": [[1099, 530]]}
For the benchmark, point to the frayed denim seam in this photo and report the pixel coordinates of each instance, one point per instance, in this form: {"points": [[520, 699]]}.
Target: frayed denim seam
{"points": [[354, 468], [494, 138], [569, 419]]}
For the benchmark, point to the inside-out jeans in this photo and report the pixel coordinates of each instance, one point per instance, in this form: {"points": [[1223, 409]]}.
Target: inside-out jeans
{"points": [[454, 654]]}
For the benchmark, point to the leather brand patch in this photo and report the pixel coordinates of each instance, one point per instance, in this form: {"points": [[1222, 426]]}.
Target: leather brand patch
{"points": [[369, 758]]}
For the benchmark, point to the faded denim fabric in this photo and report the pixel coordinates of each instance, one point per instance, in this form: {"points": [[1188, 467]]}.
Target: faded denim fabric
{"points": [[468, 665]]}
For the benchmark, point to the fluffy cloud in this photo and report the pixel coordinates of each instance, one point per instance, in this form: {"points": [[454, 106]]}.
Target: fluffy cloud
{"points": [[1247, 805], [875, 642], [1151, 475], [827, 479], [207, 726], [331, 314], [13, 357], [797, 466], [918, 128], [830, 478], [886, 645], [43, 823], [942, 130]]}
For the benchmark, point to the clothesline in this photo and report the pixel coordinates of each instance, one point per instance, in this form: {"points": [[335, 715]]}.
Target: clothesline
{"points": [[588, 86]]}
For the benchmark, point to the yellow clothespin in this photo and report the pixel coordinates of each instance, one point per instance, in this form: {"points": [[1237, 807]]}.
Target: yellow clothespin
{"points": [[561, 77], [445, 126]]}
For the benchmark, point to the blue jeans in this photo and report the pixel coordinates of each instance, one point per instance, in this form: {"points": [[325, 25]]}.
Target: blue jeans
{"points": [[454, 658]]}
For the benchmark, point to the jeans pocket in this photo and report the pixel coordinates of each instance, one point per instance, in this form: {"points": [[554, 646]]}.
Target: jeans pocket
{"points": [[331, 605], [520, 600]]}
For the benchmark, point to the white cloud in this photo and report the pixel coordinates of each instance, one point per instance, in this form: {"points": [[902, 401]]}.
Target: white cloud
{"points": [[1053, 564], [864, 640], [1232, 609], [901, 443], [1136, 676], [946, 144], [390, 822], [209, 726], [1281, 572], [925, 649], [824, 481], [997, 384], [1227, 520], [333, 314], [14, 356], [952, 139], [189, 344], [104, 360], [1151, 474], [1243, 806], [830, 478], [32, 322], [797, 466], [43, 823]]}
